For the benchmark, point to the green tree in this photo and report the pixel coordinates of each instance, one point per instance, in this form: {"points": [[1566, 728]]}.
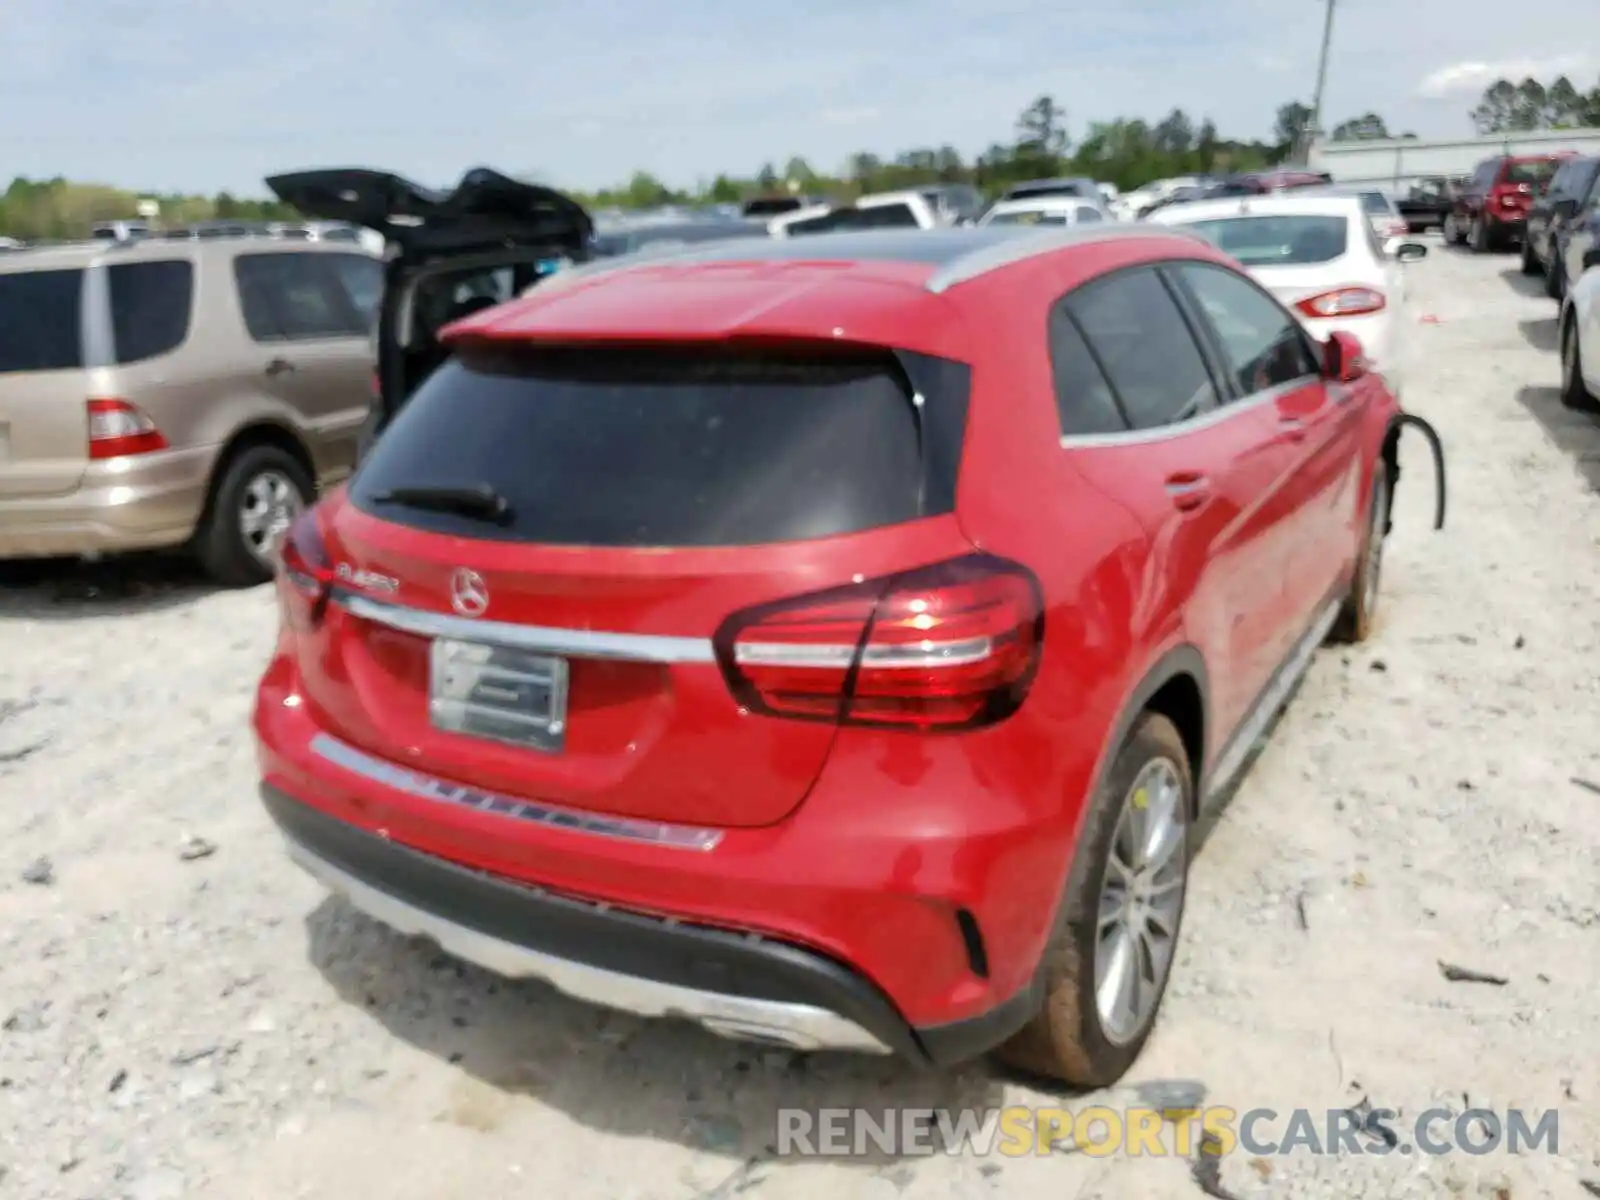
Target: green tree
{"points": [[1291, 125], [1366, 128], [1042, 135]]}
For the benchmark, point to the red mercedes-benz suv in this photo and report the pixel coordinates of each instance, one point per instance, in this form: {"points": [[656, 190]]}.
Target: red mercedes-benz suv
{"points": [[830, 641]]}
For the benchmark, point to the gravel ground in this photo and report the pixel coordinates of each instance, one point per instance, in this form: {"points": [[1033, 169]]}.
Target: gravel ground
{"points": [[183, 1014]]}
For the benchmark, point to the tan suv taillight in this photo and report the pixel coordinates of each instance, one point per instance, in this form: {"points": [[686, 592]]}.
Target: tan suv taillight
{"points": [[118, 429]]}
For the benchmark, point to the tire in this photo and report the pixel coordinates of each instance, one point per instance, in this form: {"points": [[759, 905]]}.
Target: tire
{"points": [[1530, 262], [1575, 393], [1478, 236], [255, 481], [1069, 1039], [1447, 230], [1360, 610], [1555, 277]]}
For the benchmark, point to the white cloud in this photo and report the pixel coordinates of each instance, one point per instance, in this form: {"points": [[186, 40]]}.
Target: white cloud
{"points": [[1469, 78]]}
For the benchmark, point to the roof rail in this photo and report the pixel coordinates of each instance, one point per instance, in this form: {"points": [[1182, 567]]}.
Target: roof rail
{"points": [[1019, 249]]}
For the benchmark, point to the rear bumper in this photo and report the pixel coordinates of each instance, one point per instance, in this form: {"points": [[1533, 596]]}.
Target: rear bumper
{"points": [[737, 985], [140, 503]]}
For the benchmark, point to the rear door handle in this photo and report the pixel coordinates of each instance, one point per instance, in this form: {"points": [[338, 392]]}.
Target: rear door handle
{"points": [[279, 366], [1188, 489], [1294, 428]]}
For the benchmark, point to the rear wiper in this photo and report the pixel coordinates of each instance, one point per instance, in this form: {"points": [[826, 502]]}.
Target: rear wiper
{"points": [[470, 500]]}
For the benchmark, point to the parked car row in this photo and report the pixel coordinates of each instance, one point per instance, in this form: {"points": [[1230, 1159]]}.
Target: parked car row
{"points": [[656, 564]]}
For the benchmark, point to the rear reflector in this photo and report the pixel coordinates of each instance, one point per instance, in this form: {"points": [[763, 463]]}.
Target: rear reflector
{"points": [[118, 429], [952, 646], [1342, 302]]}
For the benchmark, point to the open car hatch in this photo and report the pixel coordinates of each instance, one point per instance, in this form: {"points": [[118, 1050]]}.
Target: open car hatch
{"points": [[486, 209]]}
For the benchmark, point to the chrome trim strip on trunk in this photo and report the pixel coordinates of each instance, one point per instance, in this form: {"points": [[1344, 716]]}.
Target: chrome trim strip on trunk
{"points": [[740, 1018], [427, 787], [570, 643]]}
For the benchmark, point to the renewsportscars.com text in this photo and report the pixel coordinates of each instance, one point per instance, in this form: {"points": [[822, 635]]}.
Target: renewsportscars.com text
{"points": [[1155, 1132]]}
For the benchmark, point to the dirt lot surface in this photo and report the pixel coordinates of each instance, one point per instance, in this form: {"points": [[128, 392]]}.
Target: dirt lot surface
{"points": [[182, 1013]]}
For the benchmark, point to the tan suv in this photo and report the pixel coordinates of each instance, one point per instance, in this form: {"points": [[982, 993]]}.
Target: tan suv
{"points": [[165, 393]]}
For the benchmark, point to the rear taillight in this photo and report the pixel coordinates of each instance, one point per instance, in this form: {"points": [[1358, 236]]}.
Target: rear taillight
{"points": [[952, 646], [118, 429], [1342, 302], [305, 572]]}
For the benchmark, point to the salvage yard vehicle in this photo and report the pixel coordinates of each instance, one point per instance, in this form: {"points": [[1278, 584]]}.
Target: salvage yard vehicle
{"points": [[450, 254], [1044, 210], [1571, 202], [925, 590], [1319, 253], [1490, 210], [911, 209], [157, 393], [1580, 336]]}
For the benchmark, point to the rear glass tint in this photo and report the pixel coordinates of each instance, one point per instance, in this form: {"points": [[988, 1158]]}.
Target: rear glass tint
{"points": [[679, 447], [1531, 172], [150, 306], [40, 321], [1277, 240], [1029, 217]]}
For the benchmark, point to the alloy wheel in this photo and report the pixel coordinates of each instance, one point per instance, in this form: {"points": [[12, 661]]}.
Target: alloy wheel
{"points": [[1141, 901], [267, 508]]}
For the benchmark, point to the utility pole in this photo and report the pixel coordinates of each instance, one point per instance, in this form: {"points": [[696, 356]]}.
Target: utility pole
{"points": [[1314, 126]]}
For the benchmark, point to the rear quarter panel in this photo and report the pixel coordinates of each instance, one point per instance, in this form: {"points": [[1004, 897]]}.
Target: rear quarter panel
{"points": [[1019, 497]]}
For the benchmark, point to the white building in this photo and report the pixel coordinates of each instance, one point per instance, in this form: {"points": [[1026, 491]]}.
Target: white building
{"points": [[1394, 164]]}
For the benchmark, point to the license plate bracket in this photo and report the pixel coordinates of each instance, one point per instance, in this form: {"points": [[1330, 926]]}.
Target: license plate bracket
{"points": [[498, 693]]}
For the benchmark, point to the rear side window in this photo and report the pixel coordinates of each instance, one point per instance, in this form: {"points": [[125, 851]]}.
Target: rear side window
{"points": [[1087, 215], [1136, 330], [294, 297], [1262, 343], [362, 280], [671, 447], [1084, 399], [1533, 173], [150, 307], [40, 321]]}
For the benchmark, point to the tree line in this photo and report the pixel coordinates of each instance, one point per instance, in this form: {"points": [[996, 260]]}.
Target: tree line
{"points": [[1126, 152]]}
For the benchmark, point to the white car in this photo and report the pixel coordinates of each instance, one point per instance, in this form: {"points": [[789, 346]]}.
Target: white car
{"points": [[1320, 256], [1580, 338], [1044, 210], [882, 210], [779, 226]]}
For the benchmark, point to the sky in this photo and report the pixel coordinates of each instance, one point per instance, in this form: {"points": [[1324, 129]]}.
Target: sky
{"points": [[207, 95]]}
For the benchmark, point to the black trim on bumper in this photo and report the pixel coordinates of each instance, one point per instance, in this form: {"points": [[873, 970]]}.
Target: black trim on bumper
{"points": [[633, 944]]}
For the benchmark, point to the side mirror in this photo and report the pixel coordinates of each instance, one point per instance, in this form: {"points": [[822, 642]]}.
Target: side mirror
{"points": [[1343, 359], [1410, 251]]}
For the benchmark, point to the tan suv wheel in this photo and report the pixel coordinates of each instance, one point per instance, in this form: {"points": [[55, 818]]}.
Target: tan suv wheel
{"points": [[261, 491]]}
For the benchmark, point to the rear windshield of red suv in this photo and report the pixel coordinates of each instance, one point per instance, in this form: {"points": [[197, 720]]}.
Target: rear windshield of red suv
{"points": [[647, 447], [1538, 171]]}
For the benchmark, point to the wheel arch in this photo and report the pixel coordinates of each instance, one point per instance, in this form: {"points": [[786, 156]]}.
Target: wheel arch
{"points": [[1177, 687], [261, 432]]}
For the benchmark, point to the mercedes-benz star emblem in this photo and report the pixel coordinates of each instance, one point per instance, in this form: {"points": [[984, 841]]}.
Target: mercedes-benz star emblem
{"points": [[469, 595]]}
